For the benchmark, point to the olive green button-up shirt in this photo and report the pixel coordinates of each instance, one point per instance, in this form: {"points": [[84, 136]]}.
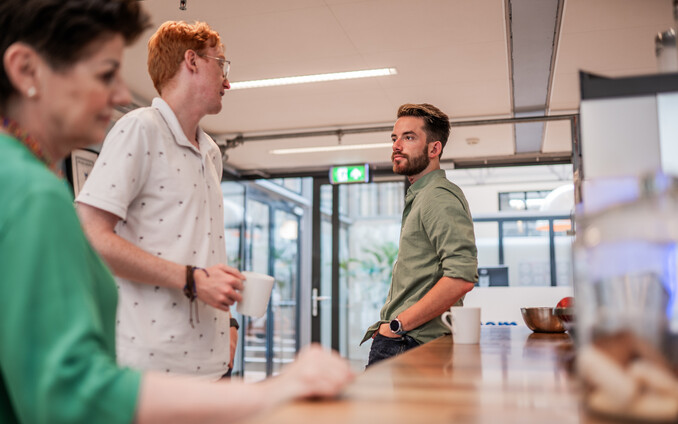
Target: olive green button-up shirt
{"points": [[436, 240]]}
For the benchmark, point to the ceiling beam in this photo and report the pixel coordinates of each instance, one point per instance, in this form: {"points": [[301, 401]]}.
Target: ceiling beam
{"points": [[534, 27]]}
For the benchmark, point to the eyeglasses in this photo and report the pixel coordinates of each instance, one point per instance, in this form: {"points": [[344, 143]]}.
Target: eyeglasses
{"points": [[225, 64]]}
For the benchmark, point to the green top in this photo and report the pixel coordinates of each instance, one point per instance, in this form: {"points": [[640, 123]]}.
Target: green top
{"points": [[57, 306], [436, 240]]}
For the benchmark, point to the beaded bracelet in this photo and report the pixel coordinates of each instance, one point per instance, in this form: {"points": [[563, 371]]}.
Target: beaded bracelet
{"points": [[191, 292]]}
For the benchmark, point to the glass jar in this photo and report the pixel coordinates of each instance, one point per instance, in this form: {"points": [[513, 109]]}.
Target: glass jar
{"points": [[625, 304]]}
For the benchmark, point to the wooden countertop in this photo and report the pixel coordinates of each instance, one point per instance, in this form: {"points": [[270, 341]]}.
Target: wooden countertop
{"points": [[512, 376]]}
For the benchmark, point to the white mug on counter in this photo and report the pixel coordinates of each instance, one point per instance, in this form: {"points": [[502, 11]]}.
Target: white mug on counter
{"points": [[464, 323], [255, 294]]}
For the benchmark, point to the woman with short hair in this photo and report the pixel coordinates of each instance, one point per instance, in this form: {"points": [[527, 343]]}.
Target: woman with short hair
{"points": [[59, 84]]}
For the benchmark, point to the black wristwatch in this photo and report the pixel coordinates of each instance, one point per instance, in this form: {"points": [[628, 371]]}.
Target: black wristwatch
{"points": [[396, 327]]}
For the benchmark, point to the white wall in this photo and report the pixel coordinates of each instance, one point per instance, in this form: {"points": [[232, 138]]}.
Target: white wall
{"points": [[502, 304]]}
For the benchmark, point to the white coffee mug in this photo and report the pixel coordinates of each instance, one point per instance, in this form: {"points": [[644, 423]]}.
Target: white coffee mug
{"points": [[464, 323], [255, 294]]}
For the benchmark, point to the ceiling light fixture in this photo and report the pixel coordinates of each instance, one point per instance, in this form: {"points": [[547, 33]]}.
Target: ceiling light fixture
{"points": [[313, 78], [182, 5], [329, 148]]}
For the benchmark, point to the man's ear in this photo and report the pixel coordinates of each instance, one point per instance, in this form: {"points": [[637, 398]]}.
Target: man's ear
{"points": [[190, 60], [435, 148], [22, 66]]}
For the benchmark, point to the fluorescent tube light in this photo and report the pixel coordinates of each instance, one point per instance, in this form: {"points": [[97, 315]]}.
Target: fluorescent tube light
{"points": [[330, 148], [313, 78]]}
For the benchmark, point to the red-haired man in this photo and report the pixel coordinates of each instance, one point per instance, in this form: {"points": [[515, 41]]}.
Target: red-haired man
{"points": [[153, 208]]}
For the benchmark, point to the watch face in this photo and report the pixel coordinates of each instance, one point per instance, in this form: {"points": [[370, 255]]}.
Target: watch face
{"points": [[395, 326]]}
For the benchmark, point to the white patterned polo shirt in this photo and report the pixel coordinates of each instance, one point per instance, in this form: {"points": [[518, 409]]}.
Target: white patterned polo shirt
{"points": [[168, 196]]}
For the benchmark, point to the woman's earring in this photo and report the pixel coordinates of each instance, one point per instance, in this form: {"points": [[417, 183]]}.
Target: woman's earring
{"points": [[31, 92]]}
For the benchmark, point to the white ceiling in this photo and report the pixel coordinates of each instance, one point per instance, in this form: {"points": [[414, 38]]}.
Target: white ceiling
{"points": [[455, 54]]}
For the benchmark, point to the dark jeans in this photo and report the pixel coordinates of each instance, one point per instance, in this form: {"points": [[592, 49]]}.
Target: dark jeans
{"points": [[227, 375], [384, 347]]}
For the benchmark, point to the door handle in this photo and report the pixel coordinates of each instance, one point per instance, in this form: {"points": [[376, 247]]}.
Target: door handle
{"points": [[314, 301]]}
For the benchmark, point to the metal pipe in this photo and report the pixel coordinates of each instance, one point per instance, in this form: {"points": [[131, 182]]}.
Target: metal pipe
{"points": [[240, 139]]}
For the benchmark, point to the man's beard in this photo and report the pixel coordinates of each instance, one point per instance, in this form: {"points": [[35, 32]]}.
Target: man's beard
{"points": [[414, 166]]}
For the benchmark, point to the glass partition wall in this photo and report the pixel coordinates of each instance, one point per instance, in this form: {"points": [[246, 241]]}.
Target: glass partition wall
{"points": [[262, 235], [332, 250], [542, 258]]}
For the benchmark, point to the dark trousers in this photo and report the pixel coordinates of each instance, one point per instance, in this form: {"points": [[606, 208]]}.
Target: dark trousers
{"points": [[384, 347], [227, 375]]}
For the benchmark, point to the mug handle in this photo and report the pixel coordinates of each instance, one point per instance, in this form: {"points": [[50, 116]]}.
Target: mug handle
{"points": [[449, 323]]}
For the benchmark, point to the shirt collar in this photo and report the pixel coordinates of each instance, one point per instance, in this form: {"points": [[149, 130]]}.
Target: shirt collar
{"points": [[175, 127], [423, 182]]}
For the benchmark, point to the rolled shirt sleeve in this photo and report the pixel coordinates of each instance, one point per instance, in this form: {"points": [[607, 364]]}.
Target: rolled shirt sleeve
{"points": [[449, 226], [112, 186]]}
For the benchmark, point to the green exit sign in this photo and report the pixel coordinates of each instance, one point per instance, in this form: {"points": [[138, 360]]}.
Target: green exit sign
{"points": [[350, 174]]}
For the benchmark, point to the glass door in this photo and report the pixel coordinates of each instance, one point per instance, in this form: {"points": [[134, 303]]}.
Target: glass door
{"points": [[359, 227], [285, 251], [265, 234], [323, 295], [255, 331], [324, 266]]}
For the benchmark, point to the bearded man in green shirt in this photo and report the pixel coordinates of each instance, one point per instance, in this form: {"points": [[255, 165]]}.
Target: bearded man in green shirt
{"points": [[437, 259]]}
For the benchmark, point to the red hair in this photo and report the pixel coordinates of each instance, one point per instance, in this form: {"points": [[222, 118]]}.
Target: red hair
{"points": [[167, 46]]}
